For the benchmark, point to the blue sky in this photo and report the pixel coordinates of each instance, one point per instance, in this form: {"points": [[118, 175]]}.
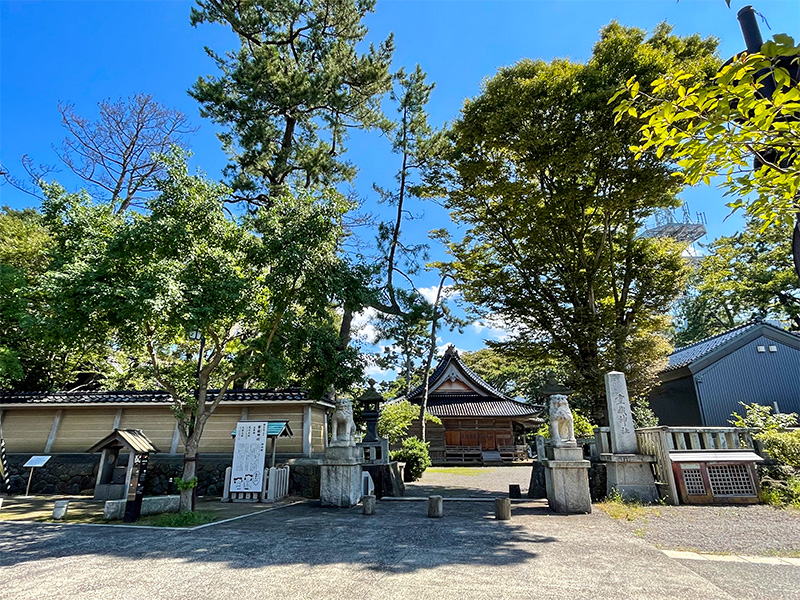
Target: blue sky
{"points": [[83, 52]]}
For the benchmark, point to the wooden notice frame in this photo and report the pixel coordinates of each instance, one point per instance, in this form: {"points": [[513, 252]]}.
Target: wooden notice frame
{"points": [[249, 454]]}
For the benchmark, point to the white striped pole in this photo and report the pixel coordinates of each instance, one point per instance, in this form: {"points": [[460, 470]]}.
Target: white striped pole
{"points": [[4, 474]]}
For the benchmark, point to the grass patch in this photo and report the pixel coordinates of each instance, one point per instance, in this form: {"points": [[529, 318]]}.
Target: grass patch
{"points": [[467, 471], [782, 553], [616, 507], [185, 519]]}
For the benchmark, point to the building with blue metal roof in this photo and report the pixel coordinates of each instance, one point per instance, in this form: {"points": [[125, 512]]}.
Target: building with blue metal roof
{"points": [[706, 382]]}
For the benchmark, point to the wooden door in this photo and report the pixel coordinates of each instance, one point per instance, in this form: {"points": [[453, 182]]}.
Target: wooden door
{"points": [[452, 438], [469, 438], [488, 441]]}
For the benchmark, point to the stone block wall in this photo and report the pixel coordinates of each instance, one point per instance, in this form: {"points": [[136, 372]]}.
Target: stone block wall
{"points": [[305, 478], [75, 474]]}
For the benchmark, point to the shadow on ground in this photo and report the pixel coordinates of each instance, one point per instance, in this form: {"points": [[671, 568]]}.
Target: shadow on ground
{"points": [[399, 538]]}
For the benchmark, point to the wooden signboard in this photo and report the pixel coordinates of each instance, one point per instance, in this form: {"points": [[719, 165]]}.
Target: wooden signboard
{"points": [[249, 453], [133, 506]]}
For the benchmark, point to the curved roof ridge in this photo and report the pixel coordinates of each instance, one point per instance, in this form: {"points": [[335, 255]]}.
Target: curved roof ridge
{"points": [[452, 354]]}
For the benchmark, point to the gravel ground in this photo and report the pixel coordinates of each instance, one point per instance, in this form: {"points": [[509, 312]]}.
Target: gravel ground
{"points": [[746, 529], [749, 529]]}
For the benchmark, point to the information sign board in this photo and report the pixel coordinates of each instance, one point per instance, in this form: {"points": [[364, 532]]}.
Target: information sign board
{"points": [[249, 452], [37, 461]]}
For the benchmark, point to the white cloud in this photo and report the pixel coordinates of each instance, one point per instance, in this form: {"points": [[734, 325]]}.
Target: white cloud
{"points": [[429, 293], [494, 327], [379, 374], [363, 327]]}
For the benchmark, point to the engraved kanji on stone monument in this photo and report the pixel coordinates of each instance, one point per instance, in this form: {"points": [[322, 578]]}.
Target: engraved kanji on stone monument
{"points": [[620, 419]]}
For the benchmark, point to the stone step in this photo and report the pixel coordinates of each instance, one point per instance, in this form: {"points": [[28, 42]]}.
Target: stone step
{"points": [[491, 456]]}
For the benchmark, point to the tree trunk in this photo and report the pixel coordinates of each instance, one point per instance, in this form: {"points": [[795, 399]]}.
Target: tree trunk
{"points": [[189, 472]]}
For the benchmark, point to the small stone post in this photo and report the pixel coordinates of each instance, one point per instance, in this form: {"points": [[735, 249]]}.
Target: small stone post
{"points": [[368, 503], [60, 509], [502, 509], [435, 507]]}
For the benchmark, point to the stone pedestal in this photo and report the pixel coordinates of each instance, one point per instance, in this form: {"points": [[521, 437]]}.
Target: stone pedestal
{"points": [[387, 479], [341, 477], [631, 476], [567, 481]]}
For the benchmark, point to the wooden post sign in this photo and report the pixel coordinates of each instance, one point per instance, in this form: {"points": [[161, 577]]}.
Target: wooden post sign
{"points": [[249, 452], [133, 506]]}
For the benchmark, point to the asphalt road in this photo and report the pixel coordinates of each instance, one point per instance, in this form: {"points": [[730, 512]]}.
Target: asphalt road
{"points": [[305, 551]]}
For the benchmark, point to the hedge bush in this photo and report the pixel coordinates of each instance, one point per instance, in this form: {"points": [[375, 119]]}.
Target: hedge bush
{"points": [[415, 453]]}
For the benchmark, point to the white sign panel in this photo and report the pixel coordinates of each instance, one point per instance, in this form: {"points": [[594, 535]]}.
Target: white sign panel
{"points": [[36, 461], [249, 451]]}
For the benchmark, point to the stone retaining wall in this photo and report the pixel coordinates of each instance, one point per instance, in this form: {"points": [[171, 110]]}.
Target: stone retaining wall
{"points": [[75, 474]]}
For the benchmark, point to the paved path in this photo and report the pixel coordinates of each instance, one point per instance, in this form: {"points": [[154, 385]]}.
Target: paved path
{"points": [[305, 551], [470, 481]]}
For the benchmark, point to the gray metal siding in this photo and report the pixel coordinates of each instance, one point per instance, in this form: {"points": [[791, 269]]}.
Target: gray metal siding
{"points": [[674, 402], [747, 375]]}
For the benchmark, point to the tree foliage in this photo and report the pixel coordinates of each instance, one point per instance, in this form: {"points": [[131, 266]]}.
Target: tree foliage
{"points": [[552, 200], [716, 126], [288, 96], [397, 417], [145, 283], [744, 276]]}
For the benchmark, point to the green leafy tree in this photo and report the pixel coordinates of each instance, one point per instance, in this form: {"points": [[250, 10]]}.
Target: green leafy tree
{"points": [[503, 371], [552, 200], [397, 417], [148, 282], [32, 355], [746, 275], [717, 126]]}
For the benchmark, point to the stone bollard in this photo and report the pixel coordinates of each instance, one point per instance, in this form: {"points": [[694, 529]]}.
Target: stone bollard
{"points": [[514, 491], [435, 507], [502, 509], [60, 509], [368, 503]]}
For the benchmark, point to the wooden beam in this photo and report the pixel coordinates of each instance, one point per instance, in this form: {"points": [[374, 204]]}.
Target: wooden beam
{"points": [[307, 430], [53, 432]]}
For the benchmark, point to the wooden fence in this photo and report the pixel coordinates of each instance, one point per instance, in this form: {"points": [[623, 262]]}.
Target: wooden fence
{"points": [[659, 441]]}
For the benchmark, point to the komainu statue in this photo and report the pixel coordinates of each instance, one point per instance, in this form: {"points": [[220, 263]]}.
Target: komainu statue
{"points": [[343, 428], [562, 429]]}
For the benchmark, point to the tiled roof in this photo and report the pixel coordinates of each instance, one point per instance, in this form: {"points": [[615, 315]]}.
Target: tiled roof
{"points": [[134, 438], [451, 354], [688, 354], [153, 396], [457, 405]]}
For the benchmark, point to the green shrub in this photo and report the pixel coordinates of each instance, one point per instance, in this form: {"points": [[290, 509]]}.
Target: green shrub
{"points": [[783, 446], [415, 454], [781, 493], [758, 416], [583, 428]]}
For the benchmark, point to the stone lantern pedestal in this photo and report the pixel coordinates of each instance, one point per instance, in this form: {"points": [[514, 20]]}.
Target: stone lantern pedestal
{"points": [[341, 477], [567, 481]]}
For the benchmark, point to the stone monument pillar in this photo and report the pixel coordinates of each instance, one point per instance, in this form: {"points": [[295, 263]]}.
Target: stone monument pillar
{"points": [[627, 472], [341, 468], [566, 473]]}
